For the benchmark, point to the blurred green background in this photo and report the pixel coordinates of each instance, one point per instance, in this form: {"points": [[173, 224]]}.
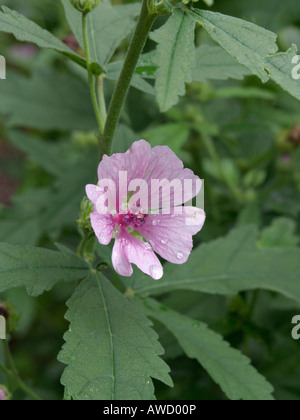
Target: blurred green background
{"points": [[242, 137]]}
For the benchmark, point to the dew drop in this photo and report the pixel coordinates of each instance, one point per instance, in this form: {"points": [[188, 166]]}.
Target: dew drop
{"points": [[179, 255], [156, 222], [156, 272], [124, 241], [101, 238], [147, 246], [164, 241]]}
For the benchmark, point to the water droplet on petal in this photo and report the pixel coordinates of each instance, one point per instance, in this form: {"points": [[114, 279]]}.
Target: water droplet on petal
{"points": [[124, 241], [147, 246], [179, 255], [101, 238], [156, 272], [164, 241], [156, 222]]}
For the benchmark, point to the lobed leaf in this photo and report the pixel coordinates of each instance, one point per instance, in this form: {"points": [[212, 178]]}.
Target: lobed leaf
{"points": [[111, 351], [226, 365], [252, 46], [175, 58], [46, 154], [228, 266], [47, 101], [23, 223], [212, 62], [37, 269], [24, 29]]}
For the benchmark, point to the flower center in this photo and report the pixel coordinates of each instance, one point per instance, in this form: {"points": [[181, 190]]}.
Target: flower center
{"points": [[131, 220]]}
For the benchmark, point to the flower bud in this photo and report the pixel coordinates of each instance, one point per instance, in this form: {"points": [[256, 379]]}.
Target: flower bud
{"points": [[84, 221], [85, 6]]}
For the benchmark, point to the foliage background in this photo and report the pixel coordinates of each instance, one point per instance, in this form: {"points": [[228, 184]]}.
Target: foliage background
{"points": [[46, 126]]}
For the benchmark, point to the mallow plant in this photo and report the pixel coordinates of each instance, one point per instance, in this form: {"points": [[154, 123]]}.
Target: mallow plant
{"points": [[145, 203]]}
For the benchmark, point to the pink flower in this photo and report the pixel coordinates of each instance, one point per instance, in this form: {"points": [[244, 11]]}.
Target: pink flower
{"points": [[149, 218]]}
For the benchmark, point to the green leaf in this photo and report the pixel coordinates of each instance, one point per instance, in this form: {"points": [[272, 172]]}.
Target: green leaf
{"points": [[248, 43], [227, 366], [281, 233], [107, 26], [113, 73], [146, 66], [64, 204], [23, 223], [212, 62], [172, 135], [47, 211], [124, 139], [43, 153], [280, 67], [175, 58], [37, 269], [230, 265], [111, 351], [57, 101], [209, 308], [252, 46], [24, 29], [244, 92]]}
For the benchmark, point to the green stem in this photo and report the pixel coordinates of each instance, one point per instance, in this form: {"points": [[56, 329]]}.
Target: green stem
{"points": [[90, 75], [101, 98], [136, 47], [13, 374], [86, 246]]}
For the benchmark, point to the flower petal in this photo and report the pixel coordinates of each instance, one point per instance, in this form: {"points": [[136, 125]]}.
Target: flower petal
{"points": [[119, 256], [165, 165], [94, 192], [171, 235], [129, 249], [135, 161], [102, 224], [103, 227]]}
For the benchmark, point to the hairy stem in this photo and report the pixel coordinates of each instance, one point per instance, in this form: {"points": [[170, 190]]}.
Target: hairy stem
{"points": [[137, 44], [101, 98], [92, 84]]}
